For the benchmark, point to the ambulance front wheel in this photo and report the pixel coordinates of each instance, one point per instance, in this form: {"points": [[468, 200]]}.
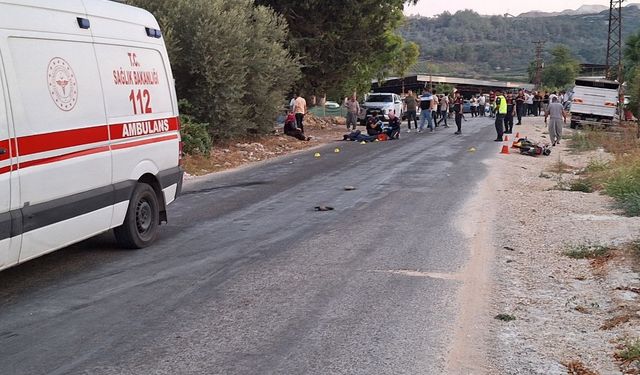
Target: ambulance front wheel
{"points": [[140, 227]]}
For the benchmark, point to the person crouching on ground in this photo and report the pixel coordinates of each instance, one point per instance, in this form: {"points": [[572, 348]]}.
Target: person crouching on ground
{"points": [[292, 130], [374, 125], [557, 114], [393, 129]]}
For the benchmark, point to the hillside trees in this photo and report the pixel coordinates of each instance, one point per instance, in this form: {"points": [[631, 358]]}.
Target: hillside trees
{"points": [[229, 62], [562, 69], [484, 43], [342, 45]]}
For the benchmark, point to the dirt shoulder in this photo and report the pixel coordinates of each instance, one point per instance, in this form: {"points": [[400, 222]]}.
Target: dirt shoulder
{"points": [[240, 152], [570, 316]]}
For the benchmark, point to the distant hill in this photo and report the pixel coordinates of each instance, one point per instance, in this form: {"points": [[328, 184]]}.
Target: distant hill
{"points": [[468, 44], [585, 9]]}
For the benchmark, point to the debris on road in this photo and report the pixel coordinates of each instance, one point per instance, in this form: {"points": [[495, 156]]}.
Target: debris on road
{"points": [[323, 208]]}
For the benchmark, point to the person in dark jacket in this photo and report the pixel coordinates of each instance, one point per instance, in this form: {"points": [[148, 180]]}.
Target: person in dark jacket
{"points": [[393, 129], [374, 125]]}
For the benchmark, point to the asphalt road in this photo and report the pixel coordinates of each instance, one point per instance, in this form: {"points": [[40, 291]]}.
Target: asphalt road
{"points": [[248, 279]]}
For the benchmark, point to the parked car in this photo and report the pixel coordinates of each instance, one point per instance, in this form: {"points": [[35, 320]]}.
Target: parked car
{"points": [[383, 104], [331, 105]]}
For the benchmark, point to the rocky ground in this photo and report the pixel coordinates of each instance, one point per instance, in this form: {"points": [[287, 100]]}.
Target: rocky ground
{"points": [[560, 315], [241, 152]]}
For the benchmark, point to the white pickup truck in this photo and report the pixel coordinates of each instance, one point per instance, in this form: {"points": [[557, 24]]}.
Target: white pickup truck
{"points": [[594, 102]]}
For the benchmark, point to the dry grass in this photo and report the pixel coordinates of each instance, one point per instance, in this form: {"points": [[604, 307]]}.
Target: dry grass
{"points": [[578, 368], [619, 178]]}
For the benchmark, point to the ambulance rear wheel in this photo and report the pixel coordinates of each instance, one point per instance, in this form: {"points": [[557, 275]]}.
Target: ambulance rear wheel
{"points": [[140, 227]]}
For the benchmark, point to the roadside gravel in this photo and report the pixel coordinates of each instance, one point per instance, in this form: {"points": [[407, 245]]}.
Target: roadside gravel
{"points": [[560, 304]]}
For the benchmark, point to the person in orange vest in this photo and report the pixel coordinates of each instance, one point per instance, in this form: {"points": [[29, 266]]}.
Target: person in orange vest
{"points": [[501, 112]]}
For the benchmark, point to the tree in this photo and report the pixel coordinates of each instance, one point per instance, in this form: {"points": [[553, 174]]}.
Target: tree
{"points": [[632, 68], [229, 61], [562, 70], [342, 45]]}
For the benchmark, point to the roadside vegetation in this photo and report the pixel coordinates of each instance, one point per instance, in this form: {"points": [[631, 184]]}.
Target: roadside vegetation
{"points": [[236, 63], [586, 251], [619, 178]]}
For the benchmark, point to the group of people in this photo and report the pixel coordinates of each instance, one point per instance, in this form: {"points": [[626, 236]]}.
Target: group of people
{"points": [[435, 110]]}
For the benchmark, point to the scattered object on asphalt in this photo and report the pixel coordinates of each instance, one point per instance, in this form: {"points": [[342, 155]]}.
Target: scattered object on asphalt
{"points": [[472, 149], [316, 155], [363, 143], [505, 150], [337, 150], [349, 188], [505, 317], [323, 208], [509, 248]]}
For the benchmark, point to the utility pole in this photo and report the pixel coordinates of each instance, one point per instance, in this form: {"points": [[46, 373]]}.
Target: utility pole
{"points": [[614, 41], [537, 80]]}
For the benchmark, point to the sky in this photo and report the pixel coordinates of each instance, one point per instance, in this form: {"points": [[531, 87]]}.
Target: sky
{"points": [[433, 7]]}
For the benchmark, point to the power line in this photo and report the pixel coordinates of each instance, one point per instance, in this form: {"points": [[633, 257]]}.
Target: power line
{"points": [[537, 80], [614, 41]]}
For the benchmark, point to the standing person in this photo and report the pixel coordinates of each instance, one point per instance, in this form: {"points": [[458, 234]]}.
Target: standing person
{"points": [[482, 104], [557, 114], [501, 112], [545, 101], [520, 106], [292, 102], [458, 108], [529, 103], [511, 111], [410, 109], [300, 109], [353, 109], [492, 103], [473, 103], [425, 110], [435, 106], [444, 109], [537, 103]]}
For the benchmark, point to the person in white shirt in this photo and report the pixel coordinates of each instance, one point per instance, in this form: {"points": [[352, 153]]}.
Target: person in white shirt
{"points": [[300, 109], [482, 105]]}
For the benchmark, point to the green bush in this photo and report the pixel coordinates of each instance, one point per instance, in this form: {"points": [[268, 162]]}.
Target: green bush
{"points": [[624, 186], [580, 141], [195, 135], [583, 185], [586, 251]]}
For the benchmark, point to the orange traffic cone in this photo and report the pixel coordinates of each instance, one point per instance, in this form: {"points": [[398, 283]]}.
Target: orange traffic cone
{"points": [[505, 149], [517, 135], [506, 138], [515, 144]]}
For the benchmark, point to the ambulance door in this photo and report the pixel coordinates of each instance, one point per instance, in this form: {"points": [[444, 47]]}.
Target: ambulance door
{"points": [[8, 251], [63, 156]]}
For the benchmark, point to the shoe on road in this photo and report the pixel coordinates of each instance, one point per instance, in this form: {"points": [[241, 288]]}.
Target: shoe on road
{"points": [[457, 133]]}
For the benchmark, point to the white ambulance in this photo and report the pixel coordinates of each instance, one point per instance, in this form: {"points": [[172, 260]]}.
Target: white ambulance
{"points": [[89, 130]]}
